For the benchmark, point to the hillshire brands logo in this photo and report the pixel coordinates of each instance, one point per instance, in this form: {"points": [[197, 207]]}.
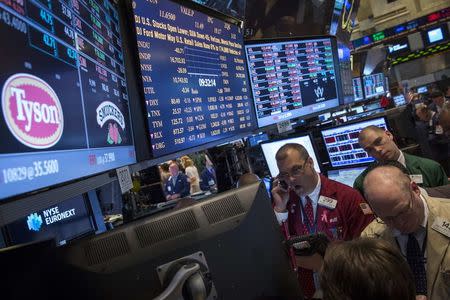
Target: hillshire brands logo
{"points": [[51, 215], [319, 92], [32, 111], [108, 111]]}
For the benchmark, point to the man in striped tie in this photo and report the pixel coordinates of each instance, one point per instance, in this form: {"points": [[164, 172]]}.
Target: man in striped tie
{"points": [[306, 202], [417, 224]]}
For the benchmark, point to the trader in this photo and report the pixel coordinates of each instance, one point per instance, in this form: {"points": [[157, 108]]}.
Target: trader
{"points": [[306, 203], [177, 185]]}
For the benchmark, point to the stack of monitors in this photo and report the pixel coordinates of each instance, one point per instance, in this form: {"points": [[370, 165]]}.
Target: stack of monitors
{"points": [[270, 148], [342, 143], [293, 78], [374, 85], [64, 93], [194, 76], [358, 89]]}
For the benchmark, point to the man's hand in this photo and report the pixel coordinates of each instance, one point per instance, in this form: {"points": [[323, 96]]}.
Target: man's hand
{"points": [[280, 196]]}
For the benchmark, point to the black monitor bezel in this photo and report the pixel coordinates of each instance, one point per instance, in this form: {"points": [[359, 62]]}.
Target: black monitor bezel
{"points": [[353, 122], [311, 138], [337, 73]]}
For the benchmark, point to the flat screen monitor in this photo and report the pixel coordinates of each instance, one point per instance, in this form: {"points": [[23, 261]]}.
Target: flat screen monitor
{"points": [[422, 89], [255, 140], [62, 222], [65, 110], [342, 143], [398, 47], [374, 85], [324, 117], [399, 100], [139, 260], [358, 89], [293, 78], [193, 75], [346, 176], [435, 35], [270, 149]]}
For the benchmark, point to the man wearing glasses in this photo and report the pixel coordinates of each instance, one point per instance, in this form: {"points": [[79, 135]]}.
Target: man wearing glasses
{"points": [[380, 144], [417, 224], [306, 203]]}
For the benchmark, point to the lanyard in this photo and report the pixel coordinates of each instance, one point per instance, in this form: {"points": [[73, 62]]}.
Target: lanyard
{"points": [[305, 218]]}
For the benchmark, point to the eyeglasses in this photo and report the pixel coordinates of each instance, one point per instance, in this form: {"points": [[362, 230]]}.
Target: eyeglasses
{"points": [[296, 171], [400, 215]]}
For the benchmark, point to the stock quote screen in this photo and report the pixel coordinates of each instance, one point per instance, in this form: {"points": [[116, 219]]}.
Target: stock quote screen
{"points": [[291, 79], [64, 100], [194, 77]]}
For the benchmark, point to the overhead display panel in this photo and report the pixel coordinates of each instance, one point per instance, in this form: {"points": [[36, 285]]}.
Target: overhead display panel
{"points": [[193, 75], [293, 78], [65, 112]]}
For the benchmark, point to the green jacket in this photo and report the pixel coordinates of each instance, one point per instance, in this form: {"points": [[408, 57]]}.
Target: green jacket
{"points": [[432, 173]]}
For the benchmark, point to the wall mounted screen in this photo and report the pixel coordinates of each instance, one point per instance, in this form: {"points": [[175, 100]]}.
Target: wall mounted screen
{"points": [[342, 143], [271, 148], [374, 85], [293, 78], [194, 77], [65, 112]]}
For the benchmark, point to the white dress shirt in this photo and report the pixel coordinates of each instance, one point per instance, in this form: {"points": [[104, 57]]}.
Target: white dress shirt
{"points": [[401, 159], [314, 196]]}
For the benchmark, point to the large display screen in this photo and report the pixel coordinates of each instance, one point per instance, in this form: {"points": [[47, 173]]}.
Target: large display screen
{"points": [[374, 85], [65, 111], [293, 78], [342, 143], [271, 148], [193, 73], [358, 89], [63, 222]]}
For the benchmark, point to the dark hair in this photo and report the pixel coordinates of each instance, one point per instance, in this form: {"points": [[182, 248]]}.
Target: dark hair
{"points": [[369, 269], [436, 93], [282, 153]]}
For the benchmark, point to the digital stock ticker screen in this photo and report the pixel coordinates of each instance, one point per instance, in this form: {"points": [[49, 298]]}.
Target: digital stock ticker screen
{"points": [[193, 74], [64, 93]]}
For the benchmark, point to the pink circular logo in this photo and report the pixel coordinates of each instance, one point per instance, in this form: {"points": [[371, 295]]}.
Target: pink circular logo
{"points": [[32, 111]]}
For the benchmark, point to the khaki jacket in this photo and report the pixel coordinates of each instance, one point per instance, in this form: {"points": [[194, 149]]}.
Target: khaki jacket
{"points": [[438, 253]]}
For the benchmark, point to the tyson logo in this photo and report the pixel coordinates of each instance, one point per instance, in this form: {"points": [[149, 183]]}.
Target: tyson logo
{"points": [[32, 111]]}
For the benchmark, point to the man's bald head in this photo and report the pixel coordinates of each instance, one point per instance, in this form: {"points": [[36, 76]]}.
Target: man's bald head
{"points": [[391, 178], [378, 143], [394, 198]]}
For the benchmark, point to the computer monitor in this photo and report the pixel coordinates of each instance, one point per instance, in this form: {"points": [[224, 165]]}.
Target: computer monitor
{"points": [[342, 143], [422, 89], [399, 100], [256, 139], [193, 75], [346, 176], [374, 85], [270, 148], [358, 89], [293, 78], [128, 262], [62, 222], [65, 106]]}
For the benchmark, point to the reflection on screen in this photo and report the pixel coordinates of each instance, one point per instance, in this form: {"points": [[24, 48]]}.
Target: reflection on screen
{"points": [[342, 143], [290, 79], [193, 72], [345, 176], [64, 96], [271, 148]]}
